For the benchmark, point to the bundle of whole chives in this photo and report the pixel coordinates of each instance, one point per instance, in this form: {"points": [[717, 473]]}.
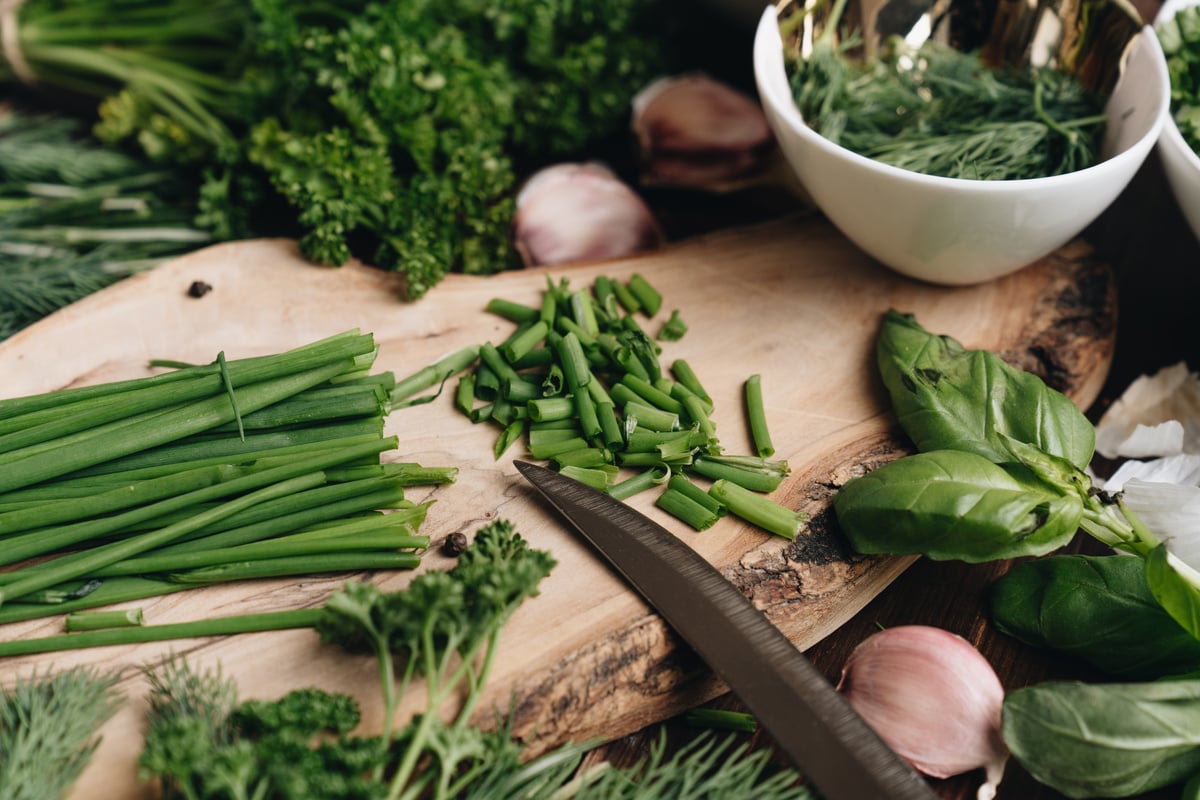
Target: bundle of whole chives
{"points": [[579, 361], [256, 467]]}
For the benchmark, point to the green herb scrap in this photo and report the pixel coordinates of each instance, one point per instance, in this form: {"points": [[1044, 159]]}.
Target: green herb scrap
{"points": [[1180, 40], [938, 111]]}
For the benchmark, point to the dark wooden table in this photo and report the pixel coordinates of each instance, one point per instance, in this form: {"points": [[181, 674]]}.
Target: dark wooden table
{"points": [[1156, 261]]}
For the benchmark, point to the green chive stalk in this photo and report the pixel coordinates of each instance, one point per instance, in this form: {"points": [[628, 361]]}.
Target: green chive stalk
{"points": [[288, 566], [38, 463], [37, 543], [82, 564], [219, 626], [243, 468]]}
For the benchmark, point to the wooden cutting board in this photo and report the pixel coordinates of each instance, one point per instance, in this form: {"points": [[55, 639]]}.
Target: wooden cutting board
{"points": [[790, 300]]}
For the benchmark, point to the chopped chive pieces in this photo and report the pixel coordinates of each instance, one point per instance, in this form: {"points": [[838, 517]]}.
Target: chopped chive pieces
{"points": [[758, 509], [464, 395], [651, 394], [685, 375], [757, 417], [511, 433], [545, 409], [647, 416], [581, 379], [763, 477], [610, 429], [523, 342], [585, 409], [725, 720], [681, 484], [98, 620], [574, 363], [434, 374], [640, 482], [516, 312], [626, 298], [683, 507], [673, 329], [648, 297], [548, 450]]}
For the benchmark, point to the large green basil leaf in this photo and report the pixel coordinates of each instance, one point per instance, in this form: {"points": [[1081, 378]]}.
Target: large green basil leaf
{"points": [[1176, 587], [950, 398], [952, 504], [1097, 608], [1105, 740]]}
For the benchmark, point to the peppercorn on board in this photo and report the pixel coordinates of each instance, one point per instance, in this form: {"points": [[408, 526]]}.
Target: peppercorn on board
{"points": [[790, 300]]}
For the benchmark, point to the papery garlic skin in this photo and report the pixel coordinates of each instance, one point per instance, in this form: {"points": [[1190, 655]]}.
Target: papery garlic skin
{"points": [[1171, 511], [1171, 394], [933, 698], [698, 132], [1179, 470], [580, 212]]}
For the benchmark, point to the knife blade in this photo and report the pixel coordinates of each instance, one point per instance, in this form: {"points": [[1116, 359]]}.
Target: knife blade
{"points": [[810, 722]]}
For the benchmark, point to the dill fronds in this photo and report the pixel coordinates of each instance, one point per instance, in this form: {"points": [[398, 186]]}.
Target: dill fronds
{"points": [[938, 111], [76, 216], [48, 730]]}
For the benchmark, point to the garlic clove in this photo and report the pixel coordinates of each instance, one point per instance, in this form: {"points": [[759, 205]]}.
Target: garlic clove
{"points": [[933, 698], [694, 131], [580, 212]]}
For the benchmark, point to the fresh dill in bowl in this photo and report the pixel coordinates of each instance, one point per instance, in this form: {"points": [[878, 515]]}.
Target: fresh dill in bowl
{"points": [[940, 111]]}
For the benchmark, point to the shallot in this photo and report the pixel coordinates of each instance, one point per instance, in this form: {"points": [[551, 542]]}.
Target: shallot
{"points": [[698, 132]]}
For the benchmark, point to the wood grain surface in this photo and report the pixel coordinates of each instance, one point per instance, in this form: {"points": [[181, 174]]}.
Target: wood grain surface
{"points": [[790, 300]]}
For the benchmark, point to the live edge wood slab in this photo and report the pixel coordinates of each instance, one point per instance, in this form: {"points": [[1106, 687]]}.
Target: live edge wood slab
{"points": [[790, 300]]}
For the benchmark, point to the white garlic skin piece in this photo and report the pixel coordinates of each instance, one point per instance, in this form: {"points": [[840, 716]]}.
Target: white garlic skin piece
{"points": [[580, 212], [695, 131], [933, 698]]}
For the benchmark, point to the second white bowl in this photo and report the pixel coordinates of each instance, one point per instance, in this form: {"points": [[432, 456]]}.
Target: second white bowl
{"points": [[953, 231]]}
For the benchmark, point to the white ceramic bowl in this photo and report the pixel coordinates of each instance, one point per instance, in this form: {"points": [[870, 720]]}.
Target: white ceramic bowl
{"points": [[1180, 163], [953, 231]]}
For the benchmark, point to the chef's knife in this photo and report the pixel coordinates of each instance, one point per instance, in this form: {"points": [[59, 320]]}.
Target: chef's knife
{"points": [[808, 719]]}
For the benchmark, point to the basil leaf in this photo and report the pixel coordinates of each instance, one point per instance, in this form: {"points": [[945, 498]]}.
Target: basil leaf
{"points": [[1176, 587], [951, 504], [1096, 608], [1105, 740], [949, 397]]}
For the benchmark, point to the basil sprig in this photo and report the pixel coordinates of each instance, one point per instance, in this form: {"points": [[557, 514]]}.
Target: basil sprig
{"points": [[1105, 740], [1096, 608], [947, 397], [999, 472]]}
